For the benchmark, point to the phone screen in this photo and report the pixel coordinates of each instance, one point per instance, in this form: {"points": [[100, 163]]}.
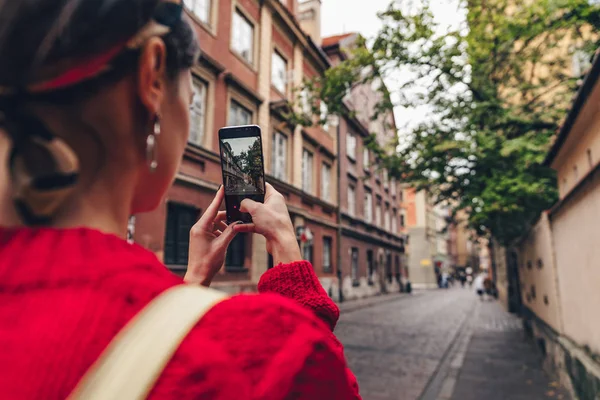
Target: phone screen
{"points": [[242, 164]]}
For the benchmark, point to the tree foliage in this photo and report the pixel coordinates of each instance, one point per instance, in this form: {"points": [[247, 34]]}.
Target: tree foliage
{"points": [[498, 89]]}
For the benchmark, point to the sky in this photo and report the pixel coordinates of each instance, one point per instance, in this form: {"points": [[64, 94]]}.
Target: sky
{"points": [[240, 145], [339, 17]]}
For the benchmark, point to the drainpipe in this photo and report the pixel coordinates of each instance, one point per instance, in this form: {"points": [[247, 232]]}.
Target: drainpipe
{"points": [[339, 215]]}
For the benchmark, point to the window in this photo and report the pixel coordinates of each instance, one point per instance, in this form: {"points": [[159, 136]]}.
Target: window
{"points": [[327, 241], [378, 213], [370, 267], [395, 222], [236, 253], [325, 181], [239, 115], [402, 221], [388, 219], [368, 207], [401, 195], [393, 187], [307, 171], [354, 256], [324, 115], [242, 39], [201, 8], [385, 178], [351, 200], [580, 63], [307, 251], [305, 101], [279, 156], [351, 146], [180, 219], [279, 72], [198, 113], [366, 158]]}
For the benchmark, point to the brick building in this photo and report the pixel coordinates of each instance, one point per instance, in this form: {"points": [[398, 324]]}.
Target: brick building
{"points": [[372, 252], [254, 53]]}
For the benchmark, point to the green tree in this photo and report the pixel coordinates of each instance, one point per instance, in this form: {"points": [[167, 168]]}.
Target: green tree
{"points": [[253, 163], [498, 89]]}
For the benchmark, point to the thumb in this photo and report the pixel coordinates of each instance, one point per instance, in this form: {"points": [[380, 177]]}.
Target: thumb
{"points": [[249, 206]]}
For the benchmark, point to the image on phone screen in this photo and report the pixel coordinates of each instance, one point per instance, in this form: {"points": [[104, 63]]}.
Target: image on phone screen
{"points": [[243, 169]]}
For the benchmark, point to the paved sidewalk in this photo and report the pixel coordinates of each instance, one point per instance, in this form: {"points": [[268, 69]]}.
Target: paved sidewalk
{"points": [[358, 304], [499, 363]]}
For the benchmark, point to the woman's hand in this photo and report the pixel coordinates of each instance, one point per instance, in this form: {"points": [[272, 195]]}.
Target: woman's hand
{"points": [[272, 220], [209, 239]]}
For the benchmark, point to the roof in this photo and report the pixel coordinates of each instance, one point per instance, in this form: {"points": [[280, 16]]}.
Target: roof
{"points": [[335, 40], [582, 95]]}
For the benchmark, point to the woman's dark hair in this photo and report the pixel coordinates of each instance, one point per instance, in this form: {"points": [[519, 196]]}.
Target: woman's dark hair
{"points": [[70, 48], [35, 33]]}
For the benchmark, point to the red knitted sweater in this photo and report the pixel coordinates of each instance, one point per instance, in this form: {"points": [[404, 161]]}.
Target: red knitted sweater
{"points": [[64, 294]]}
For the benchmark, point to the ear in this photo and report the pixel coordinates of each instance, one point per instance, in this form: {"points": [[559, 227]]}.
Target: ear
{"points": [[151, 79]]}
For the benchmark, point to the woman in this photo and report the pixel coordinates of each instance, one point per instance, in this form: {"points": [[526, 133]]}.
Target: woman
{"points": [[94, 97]]}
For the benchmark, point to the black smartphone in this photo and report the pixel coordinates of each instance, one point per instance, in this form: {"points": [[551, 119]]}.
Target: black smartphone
{"points": [[242, 164]]}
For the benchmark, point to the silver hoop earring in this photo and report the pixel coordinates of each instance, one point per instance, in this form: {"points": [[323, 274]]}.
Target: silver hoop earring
{"points": [[151, 146]]}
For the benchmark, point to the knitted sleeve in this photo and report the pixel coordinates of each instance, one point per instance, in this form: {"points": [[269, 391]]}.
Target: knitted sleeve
{"points": [[298, 281]]}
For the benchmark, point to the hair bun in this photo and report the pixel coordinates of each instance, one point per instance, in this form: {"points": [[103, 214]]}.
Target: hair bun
{"points": [[44, 171]]}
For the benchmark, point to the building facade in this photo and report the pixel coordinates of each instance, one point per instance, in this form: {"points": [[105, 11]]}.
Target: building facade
{"points": [[253, 55], [423, 239], [371, 215], [557, 267]]}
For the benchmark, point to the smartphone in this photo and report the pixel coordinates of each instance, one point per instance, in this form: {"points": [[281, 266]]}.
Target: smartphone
{"points": [[242, 164]]}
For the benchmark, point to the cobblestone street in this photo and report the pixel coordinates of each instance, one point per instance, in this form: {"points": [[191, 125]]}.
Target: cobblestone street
{"points": [[406, 347]]}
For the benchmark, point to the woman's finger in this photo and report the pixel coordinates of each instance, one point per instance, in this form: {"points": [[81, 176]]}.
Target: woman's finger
{"points": [[217, 232], [221, 225], [245, 228], [221, 216], [212, 211]]}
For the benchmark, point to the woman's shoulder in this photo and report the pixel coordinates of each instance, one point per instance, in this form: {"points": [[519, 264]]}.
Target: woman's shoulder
{"points": [[266, 339]]}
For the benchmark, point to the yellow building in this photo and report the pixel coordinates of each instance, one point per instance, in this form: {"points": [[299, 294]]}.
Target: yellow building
{"points": [[559, 259]]}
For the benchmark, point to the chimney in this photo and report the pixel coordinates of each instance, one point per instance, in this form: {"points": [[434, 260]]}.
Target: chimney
{"points": [[309, 15]]}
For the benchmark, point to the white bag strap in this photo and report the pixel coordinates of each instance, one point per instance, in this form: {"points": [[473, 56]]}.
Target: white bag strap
{"points": [[135, 358]]}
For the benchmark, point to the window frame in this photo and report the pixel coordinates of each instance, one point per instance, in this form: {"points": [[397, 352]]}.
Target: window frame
{"points": [[308, 173], [328, 261], [325, 176], [366, 159], [351, 144], [281, 175], [351, 192], [387, 219], [241, 106], [174, 211], [237, 11], [203, 116], [368, 206], [282, 90], [191, 5], [324, 116], [354, 266]]}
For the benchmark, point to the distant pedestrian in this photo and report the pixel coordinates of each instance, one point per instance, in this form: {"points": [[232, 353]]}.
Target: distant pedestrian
{"points": [[479, 286]]}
